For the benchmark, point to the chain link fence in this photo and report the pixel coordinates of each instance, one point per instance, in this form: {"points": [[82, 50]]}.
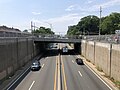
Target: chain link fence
{"points": [[104, 38]]}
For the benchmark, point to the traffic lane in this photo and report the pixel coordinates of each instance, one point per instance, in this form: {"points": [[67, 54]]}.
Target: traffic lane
{"points": [[91, 79], [72, 82], [81, 77], [46, 79], [42, 79]]}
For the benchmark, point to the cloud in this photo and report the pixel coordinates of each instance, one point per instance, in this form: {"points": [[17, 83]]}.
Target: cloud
{"points": [[36, 13], [110, 3], [64, 18], [103, 5], [72, 7], [89, 1], [93, 8], [61, 23]]}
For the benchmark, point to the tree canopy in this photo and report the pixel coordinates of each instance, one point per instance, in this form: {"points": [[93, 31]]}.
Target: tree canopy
{"points": [[90, 25], [43, 30], [110, 24]]}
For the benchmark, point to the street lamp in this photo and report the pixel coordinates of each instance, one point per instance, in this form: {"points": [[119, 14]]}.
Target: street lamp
{"points": [[100, 20]]}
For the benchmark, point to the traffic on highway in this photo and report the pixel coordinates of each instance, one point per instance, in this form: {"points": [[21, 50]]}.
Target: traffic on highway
{"points": [[60, 70]]}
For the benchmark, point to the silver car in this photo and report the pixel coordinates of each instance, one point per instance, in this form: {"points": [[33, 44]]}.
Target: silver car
{"points": [[35, 66]]}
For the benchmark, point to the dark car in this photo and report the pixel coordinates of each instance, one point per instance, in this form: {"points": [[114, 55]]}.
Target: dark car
{"points": [[79, 61], [35, 66]]}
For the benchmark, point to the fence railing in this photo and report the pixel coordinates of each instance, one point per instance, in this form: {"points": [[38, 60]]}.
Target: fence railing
{"points": [[103, 38]]}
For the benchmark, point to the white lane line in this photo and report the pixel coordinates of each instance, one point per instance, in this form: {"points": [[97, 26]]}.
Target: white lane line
{"points": [[72, 61], [80, 73], [17, 79], [42, 65], [31, 85], [99, 77]]}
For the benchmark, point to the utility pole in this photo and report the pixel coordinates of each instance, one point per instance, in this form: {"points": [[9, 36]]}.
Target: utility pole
{"points": [[100, 21], [34, 27], [31, 27]]}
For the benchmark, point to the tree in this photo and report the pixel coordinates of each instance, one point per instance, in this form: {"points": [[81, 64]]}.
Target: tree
{"points": [[25, 30], [87, 25], [43, 30], [111, 23]]}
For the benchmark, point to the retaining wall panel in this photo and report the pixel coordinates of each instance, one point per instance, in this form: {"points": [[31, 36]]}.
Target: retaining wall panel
{"points": [[115, 62]]}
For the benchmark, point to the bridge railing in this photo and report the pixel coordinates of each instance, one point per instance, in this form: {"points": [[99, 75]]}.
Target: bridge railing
{"points": [[103, 38], [4, 33]]}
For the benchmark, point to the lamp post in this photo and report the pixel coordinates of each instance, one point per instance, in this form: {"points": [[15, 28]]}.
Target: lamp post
{"points": [[100, 21]]}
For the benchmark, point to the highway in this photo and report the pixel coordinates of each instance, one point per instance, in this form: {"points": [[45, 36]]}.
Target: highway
{"points": [[42, 79], [60, 72]]}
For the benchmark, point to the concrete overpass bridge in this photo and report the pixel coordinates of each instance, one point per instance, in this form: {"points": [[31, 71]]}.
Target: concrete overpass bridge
{"points": [[57, 40], [75, 42]]}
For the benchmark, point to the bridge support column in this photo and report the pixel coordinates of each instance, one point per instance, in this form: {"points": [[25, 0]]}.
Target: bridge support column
{"points": [[77, 47]]}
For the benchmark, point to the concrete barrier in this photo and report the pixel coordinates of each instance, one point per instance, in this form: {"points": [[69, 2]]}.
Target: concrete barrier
{"points": [[115, 62]]}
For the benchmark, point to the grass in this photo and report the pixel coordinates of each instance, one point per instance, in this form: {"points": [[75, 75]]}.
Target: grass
{"points": [[117, 83]]}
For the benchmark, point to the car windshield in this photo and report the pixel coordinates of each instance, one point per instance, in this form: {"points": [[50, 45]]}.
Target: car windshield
{"points": [[35, 64]]}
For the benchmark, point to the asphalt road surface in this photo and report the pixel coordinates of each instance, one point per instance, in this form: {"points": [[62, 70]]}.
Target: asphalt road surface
{"points": [[61, 73]]}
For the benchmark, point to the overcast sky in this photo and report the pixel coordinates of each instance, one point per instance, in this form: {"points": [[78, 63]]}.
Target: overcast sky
{"points": [[59, 13]]}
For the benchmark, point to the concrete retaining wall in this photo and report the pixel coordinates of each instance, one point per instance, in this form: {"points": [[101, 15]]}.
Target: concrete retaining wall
{"points": [[102, 56], [105, 56], [115, 61], [83, 48], [90, 51], [14, 53]]}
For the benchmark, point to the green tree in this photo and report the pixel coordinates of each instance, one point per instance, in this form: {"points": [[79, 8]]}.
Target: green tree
{"points": [[87, 25], [43, 30], [110, 23]]}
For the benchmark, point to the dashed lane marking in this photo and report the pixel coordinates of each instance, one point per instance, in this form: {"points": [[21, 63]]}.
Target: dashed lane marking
{"points": [[80, 73], [72, 61], [31, 85]]}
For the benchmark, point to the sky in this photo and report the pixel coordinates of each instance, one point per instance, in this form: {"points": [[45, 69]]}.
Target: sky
{"points": [[55, 14]]}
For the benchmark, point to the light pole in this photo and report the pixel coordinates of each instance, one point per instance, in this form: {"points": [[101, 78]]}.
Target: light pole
{"points": [[100, 21]]}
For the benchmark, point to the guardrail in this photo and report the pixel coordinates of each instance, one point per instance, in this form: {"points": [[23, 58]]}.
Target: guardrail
{"points": [[103, 38]]}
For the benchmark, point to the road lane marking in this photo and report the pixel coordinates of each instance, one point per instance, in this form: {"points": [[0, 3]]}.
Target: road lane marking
{"points": [[18, 77], [80, 73], [65, 88], [59, 84], [55, 74], [72, 61], [31, 85], [97, 76], [42, 65]]}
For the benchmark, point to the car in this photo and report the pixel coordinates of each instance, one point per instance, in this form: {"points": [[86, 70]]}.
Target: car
{"points": [[35, 66], [65, 50], [79, 61]]}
